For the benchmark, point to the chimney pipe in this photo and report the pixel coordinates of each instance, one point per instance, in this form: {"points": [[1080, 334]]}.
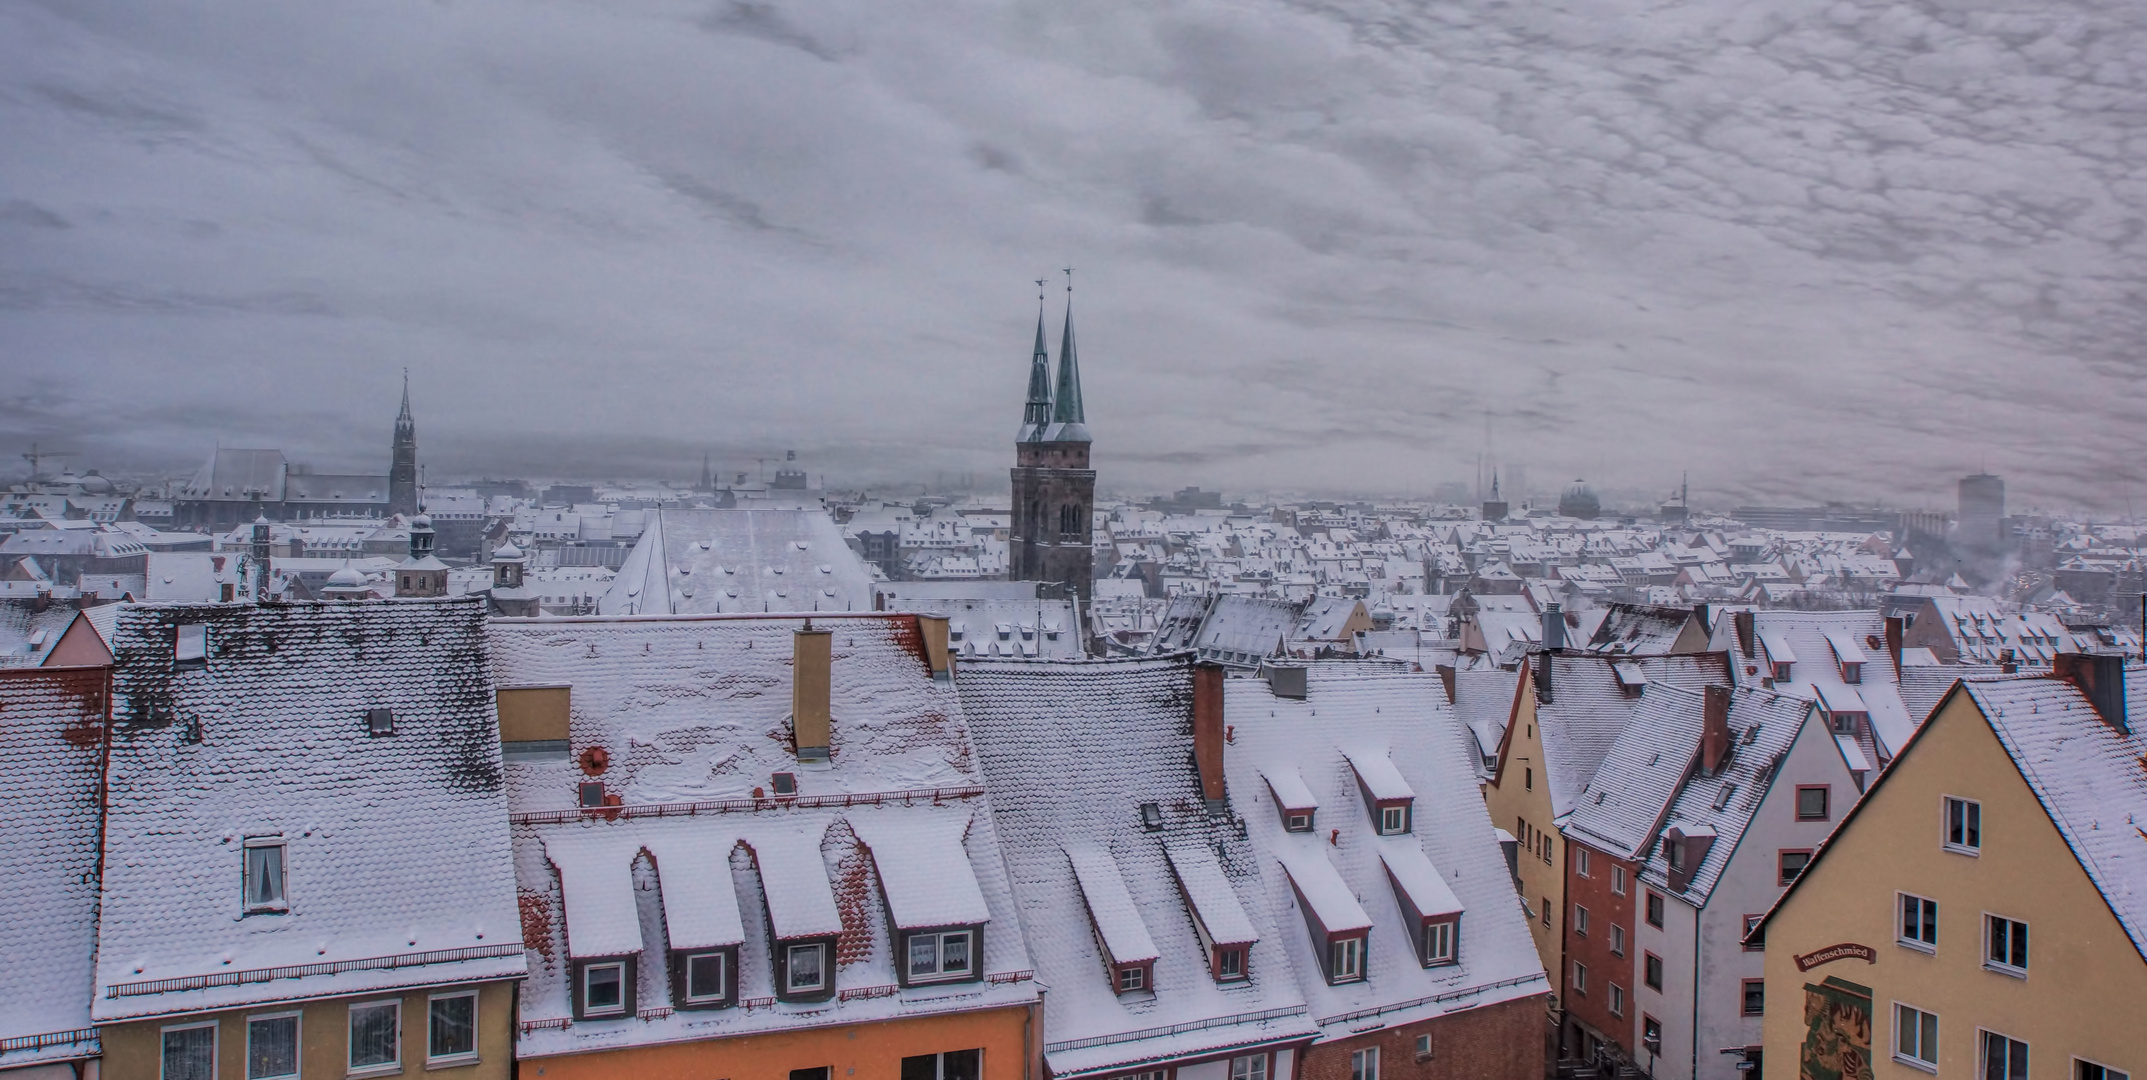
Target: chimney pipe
{"points": [[1895, 628], [1715, 729], [1747, 631], [1446, 678], [933, 628], [2101, 677], [1554, 628], [1208, 733], [811, 676]]}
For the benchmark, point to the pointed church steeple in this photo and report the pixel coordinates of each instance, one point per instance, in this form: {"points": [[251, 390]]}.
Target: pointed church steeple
{"points": [[402, 461], [1036, 415], [1067, 418]]}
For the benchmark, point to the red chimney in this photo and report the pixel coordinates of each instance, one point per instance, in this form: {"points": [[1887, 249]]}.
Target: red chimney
{"points": [[1208, 732], [1894, 631], [2101, 677], [1747, 631], [1715, 729], [1446, 678]]}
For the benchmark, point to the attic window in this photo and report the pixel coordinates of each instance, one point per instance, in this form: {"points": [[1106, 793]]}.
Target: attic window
{"points": [[591, 793], [264, 875], [191, 647], [1722, 795], [1151, 816], [786, 784], [1297, 822], [379, 722]]}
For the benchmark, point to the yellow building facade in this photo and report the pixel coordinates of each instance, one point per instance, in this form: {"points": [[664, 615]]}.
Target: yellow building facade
{"points": [[1948, 927], [1519, 800], [136, 1049]]}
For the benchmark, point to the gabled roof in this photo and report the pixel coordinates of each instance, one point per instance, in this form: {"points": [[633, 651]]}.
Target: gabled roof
{"points": [[1817, 642], [239, 476], [697, 562], [1746, 775], [2091, 779], [396, 845], [1588, 710], [1070, 751], [52, 750], [1631, 790], [694, 712], [1110, 907]]}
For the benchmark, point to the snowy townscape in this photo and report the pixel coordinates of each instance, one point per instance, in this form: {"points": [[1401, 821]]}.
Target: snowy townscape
{"points": [[877, 540], [736, 776]]}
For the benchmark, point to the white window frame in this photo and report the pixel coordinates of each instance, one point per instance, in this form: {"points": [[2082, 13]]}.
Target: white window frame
{"points": [[1423, 1048], [939, 972], [466, 1057], [1222, 968], [1992, 963], [1580, 978], [1441, 944], [790, 968], [1364, 1064], [1945, 825], [1580, 919], [1983, 1037], [1617, 880], [1249, 1067], [1893, 1043], [1131, 977], [1345, 959], [723, 977], [1617, 940], [216, 1046], [1393, 820], [1617, 1000], [1901, 935], [1296, 822], [282, 900], [1580, 862], [350, 1047], [597, 1011], [298, 1043], [939, 1065]]}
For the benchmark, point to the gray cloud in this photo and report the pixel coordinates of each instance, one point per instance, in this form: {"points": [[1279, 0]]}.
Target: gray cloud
{"points": [[1802, 248]]}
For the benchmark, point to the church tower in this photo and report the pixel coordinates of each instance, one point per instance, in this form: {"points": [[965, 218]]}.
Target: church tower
{"points": [[1054, 489], [402, 468]]}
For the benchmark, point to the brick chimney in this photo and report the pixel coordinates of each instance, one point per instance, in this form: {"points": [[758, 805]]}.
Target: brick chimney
{"points": [[933, 628], [811, 679], [1715, 729], [2101, 677], [1208, 733], [1895, 629], [1446, 679], [1542, 662], [1747, 631]]}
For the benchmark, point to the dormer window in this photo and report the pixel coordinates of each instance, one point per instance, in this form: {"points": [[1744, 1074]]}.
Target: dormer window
{"points": [[1229, 964], [1293, 798], [804, 969], [1393, 819], [1345, 959], [940, 956], [604, 988], [1852, 673], [1430, 910], [1297, 822], [1387, 796], [191, 647]]}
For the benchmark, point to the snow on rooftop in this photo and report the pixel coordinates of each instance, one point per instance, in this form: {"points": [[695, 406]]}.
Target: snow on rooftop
{"points": [[1376, 771], [1777, 645], [597, 879], [1418, 879], [1110, 906], [48, 859], [924, 871], [1846, 650], [1841, 698], [1322, 889], [1852, 754], [1289, 788], [1208, 891], [700, 901], [800, 902]]}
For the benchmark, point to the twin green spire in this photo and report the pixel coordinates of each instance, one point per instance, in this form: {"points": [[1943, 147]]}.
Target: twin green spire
{"points": [[1054, 415]]}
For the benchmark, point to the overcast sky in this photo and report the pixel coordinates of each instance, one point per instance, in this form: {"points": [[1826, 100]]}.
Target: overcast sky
{"points": [[1801, 248]]}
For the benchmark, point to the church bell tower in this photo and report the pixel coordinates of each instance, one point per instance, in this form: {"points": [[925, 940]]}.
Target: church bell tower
{"points": [[402, 467], [1054, 488]]}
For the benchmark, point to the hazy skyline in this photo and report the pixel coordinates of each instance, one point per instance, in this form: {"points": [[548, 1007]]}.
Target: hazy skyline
{"points": [[1804, 249]]}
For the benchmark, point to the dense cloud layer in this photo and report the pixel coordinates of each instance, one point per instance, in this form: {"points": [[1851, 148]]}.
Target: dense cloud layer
{"points": [[1802, 248]]}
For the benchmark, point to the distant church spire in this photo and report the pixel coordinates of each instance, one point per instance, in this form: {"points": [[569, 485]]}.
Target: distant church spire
{"points": [[1036, 415], [402, 464], [1067, 417]]}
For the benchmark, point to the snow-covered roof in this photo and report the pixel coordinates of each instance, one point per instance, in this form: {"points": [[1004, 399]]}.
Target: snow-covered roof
{"points": [[1376, 771], [598, 882], [1110, 907], [51, 750], [1348, 707], [396, 845], [1762, 724], [695, 715], [1588, 710], [691, 562], [1846, 650], [1630, 791], [923, 871], [1418, 879], [1208, 891], [1876, 693], [1289, 787], [1070, 752], [2086, 774]]}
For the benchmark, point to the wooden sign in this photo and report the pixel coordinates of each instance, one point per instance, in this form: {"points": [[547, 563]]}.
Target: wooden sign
{"points": [[1844, 951]]}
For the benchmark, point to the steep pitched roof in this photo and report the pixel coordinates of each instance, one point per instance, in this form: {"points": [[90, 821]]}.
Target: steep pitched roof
{"points": [[1763, 725], [1351, 713], [1629, 793], [1588, 710], [701, 562], [694, 713], [1070, 752], [395, 845], [52, 725]]}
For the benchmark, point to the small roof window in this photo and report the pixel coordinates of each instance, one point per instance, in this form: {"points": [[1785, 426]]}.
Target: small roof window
{"points": [[191, 646], [379, 722]]}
